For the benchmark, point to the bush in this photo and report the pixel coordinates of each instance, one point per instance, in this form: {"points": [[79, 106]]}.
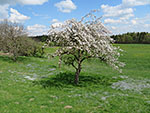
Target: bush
{"points": [[14, 40], [29, 47]]}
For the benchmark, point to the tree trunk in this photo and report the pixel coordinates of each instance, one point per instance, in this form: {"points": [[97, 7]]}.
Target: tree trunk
{"points": [[14, 57], [59, 63], [78, 70]]}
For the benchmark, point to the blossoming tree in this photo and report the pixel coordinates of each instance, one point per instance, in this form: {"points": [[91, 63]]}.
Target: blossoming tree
{"points": [[84, 39]]}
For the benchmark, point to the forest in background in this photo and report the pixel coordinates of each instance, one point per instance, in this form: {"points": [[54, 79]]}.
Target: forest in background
{"points": [[132, 38], [126, 38]]}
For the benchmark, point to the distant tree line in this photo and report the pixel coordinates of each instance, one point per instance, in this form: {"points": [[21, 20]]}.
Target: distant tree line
{"points": [[139, 38], [127, 38], [41, 38], [44, 38]]}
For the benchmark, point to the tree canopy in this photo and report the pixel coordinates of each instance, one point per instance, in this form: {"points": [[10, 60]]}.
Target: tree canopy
{"points": [[80, 40]]}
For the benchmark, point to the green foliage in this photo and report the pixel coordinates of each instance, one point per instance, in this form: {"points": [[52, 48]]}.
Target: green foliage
{"points": [[68, 59], [42, 38], [23, 46], [14, 40], [29, 47], [142, 38]]}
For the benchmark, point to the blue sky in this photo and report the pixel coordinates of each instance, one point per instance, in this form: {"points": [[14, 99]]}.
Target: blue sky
{"points": [[119, 16]]}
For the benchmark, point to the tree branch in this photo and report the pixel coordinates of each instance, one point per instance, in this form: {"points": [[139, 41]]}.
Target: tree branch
{"points": [[76, 57], [74, 65], [85, 58]]}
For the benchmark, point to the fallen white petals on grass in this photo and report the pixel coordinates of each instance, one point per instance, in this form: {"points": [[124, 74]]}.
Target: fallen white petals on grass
{"points": [[29, 78], [123, 76], [131, 84], [103, 98], [52, 69]]}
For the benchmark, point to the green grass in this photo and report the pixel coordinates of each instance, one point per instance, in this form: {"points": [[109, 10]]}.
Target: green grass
{"points": [[100, 90]]}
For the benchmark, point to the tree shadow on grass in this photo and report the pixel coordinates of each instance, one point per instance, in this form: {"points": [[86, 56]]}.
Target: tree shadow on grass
{"points": [[67, 80]]}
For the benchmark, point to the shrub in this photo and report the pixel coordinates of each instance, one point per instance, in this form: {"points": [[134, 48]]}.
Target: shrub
{"points": [[29, 47], [14, 40]]}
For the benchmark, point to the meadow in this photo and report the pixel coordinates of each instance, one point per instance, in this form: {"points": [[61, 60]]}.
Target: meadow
{"points": [[38, 85]]}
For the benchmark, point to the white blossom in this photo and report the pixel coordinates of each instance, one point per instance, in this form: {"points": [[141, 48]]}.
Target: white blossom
{"points": [[89, 36]]}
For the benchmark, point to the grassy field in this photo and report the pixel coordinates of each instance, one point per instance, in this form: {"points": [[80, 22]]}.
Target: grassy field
{"points": [[37, 85]]}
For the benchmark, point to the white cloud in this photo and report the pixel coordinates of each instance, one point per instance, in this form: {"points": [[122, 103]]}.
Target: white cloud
{"points": [[147, 25], [33, 2], [41, 15], [133, 22], [37, 29], [132, 3], [112, 27], [66, 6], [54, 20], [143, 20], [35, 14], [122, 17], [134, 25], [117, 11], [4, 6], [56, 23], [110, 21], [4, 11], [4, 2], [125, 10], [15, 16], [24, 2], [126, 17]]}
